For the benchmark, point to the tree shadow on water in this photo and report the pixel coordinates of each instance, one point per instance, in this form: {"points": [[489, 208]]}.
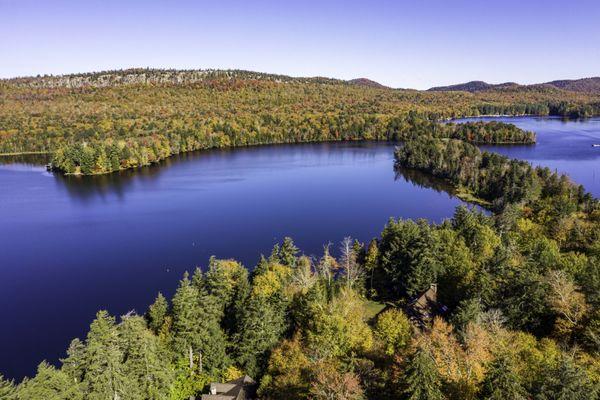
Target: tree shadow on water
{"points": [[423, 180], [88, 188]]}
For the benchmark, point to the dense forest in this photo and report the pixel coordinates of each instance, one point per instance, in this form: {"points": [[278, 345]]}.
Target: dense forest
{"points": [[563, 209], [521, 322], [109, 156], [103, 122], [517, 313]]}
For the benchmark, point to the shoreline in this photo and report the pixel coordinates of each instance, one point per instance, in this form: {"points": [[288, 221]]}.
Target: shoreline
{"points": [[24, 153]]}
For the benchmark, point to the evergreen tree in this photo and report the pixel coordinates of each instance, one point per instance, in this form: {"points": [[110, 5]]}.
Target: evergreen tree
{"points": [[424, 267], [407, 262], [370, 261], [198, 336], [288, 252], [227, 283], [104, 376], [263, 264], [423, 380], [145, 361], [198, 281], [49, 384], [7, 389], [501, 382], [186, 315], [261, 326], [274, 257], [157, 313], [468, 310], [75, 363], [566, 381]]}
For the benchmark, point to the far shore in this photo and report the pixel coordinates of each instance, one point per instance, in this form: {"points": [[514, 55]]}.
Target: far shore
{"points": [[24, 153]]}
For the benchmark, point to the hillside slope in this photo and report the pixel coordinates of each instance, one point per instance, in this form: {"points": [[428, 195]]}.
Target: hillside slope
{"points": [[105, 121], [585, 85]]}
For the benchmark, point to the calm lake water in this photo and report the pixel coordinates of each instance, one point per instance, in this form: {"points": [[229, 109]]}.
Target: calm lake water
{"points": [[72, 246]]}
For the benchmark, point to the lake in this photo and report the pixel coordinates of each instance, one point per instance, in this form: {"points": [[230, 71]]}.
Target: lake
{"points": [[70, 246]]}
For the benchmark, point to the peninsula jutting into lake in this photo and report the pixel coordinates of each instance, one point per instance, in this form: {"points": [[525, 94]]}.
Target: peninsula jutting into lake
{"points": [[297, 200]]}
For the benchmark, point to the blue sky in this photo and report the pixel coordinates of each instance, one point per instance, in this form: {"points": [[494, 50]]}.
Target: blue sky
{"points": [[417, 44]]}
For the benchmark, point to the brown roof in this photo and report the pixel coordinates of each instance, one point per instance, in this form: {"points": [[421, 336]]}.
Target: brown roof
{"points": [[423, 308]]}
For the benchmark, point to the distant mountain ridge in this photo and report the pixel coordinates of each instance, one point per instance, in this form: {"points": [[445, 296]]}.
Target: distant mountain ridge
{"points": [[153, 76], [585, 85]]}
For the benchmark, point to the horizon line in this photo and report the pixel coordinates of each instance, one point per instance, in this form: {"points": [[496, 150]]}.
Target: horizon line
{"points": [[107, 71]]}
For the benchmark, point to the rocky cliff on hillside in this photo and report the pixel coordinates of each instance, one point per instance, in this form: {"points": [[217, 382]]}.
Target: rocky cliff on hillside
{"points": [[154, 77]]}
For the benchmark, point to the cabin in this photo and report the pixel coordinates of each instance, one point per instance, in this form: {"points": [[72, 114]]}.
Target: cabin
{"points": [[243, 388], [423, 308]]}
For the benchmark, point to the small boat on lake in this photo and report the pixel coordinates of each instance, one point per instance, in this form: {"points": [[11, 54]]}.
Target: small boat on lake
{"points": [[596, 145]]}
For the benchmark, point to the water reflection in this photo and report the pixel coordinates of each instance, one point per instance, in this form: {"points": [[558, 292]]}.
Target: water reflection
{"points": [[25, 159], [87, 188], [217, 166], [423, 180]]}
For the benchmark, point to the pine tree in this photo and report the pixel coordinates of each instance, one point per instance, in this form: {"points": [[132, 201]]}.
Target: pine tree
{"points": [[468, 310], [371, 257], [288, 252], [198, 280], [274, 257], [566, 381], [157, 313], [424, 267], [214, 340], [263, 264], [501, 382], [145, 360], [7, 389], [227, 283], [49, 384], [74, 364], [104, 378], [261, 326], [186, 315], [197, 332], [423, 380]]}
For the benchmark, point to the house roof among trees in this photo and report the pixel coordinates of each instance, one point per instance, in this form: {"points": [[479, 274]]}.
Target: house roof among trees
{"points": [[237, 389], [423, 308]]}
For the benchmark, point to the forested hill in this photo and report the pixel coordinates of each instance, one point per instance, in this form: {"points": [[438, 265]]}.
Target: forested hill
{"points": [[367, 82], [585, 85], [589, 85], [101, 122], [473, 86], [149, 76], [179, 77]]}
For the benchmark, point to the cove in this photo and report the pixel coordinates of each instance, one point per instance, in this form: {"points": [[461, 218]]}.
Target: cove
{"points": [[70, 246]]}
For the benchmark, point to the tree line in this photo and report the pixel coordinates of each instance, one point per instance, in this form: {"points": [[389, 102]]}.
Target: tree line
{"points": [[564, 210], [156, 112], [113, 155]]}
